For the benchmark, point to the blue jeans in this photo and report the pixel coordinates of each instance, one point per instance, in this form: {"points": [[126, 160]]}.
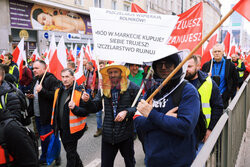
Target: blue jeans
{"points": [[42, 130], [99, 119]]}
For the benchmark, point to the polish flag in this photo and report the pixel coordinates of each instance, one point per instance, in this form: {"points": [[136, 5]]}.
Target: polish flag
{"points": [[136, 9], [232, 49], [88, 53], [18, 56], [59, 60], [227, 43], [242, 7], [74, 53], [79, 75], [207, 55], [18, 51], [35, 55], [70, 54], [46, 57], [52, 47]]}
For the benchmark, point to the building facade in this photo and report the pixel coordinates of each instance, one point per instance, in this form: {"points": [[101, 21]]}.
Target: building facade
{"points": [[71, 19]]}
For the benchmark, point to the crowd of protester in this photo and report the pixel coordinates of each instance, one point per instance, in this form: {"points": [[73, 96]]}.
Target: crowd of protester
{"points": [[169, 126]]}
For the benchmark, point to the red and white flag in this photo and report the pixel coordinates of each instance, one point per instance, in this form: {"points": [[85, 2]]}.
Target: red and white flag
{"points": [[88, 52], [74, 53], [59, 60], [226, 42], [35, 56], [207, 55], [242, 7], [18, 56], [232, 49], [79, 75], [18, 50], [52, 47], [188, 30], [136, 9]]}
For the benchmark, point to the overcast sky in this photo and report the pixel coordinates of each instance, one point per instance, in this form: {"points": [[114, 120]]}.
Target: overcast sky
{"points": [[225, 8]]}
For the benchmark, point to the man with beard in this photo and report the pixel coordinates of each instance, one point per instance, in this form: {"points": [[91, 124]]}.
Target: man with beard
{"points": [[119, 94], [169, 128], [212, 103]]}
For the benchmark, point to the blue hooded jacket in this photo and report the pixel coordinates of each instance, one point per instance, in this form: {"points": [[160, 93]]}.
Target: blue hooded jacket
{"points": [[170, 141]]}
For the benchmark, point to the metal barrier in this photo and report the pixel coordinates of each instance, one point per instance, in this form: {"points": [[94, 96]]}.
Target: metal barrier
{"points": [[222, 146]]}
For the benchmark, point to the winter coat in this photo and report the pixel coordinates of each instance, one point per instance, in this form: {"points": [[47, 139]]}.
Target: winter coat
{"points": [[170, 141], [12, 102], [45, 97], [231, 77], [115, 132], [78, 111]]}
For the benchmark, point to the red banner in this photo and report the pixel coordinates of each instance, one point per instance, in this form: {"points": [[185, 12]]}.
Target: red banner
{"points": [[188, 30]]}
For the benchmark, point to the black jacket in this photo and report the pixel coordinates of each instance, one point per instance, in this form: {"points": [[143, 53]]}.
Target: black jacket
{"points": [[13, 103], [45, 97], [231, 77], [216, 102], [78, 111], [115, 132], [20, 145]]}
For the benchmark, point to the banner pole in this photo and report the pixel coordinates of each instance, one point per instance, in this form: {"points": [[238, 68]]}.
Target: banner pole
{"points": [[189, 56]]}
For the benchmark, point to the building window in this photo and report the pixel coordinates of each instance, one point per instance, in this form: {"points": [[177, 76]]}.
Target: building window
{"points": [[79, 2], [113, 5], [98, 3], [126, 8]]}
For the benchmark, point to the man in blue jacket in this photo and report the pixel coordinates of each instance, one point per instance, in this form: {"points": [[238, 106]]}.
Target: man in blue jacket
{"points": [[169, 129]]}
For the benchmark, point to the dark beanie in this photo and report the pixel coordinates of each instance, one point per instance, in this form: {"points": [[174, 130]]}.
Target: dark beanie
{"points": [[36, 12]]}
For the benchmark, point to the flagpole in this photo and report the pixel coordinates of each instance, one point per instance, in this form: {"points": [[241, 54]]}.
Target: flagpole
{"points": [[189, 56], [73, 90], [142, 87]]}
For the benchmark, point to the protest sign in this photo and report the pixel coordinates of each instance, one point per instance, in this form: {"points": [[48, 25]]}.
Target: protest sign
{"points": [[129, 37], [188, 30]]}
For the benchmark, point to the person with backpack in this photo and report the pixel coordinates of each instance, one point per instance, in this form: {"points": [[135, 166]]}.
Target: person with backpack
{"points": [[119, 94], [212, 103], [16, 146], [169, 119]]}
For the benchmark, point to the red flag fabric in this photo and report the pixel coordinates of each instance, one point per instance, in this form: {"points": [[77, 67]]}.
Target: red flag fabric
{"points": [[227, 43], [188, 30], [242, 7], [18, 56], [232, 50], [207, 54], [59, 60], [135, 8], [88, 52]]}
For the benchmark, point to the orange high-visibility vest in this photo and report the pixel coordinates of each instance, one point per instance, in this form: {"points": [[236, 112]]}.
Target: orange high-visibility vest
{"points": [[76, 123], [3, 160]]}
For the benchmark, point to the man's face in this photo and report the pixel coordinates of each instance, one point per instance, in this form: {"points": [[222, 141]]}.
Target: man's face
{"points": [[101, 65], [234, 57], [88, 66], [164, 68], [6, 60], [67, 79], [191, 70], [38, 69], [133, 69], [218, 52], [85, 61], [114, 75]]}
